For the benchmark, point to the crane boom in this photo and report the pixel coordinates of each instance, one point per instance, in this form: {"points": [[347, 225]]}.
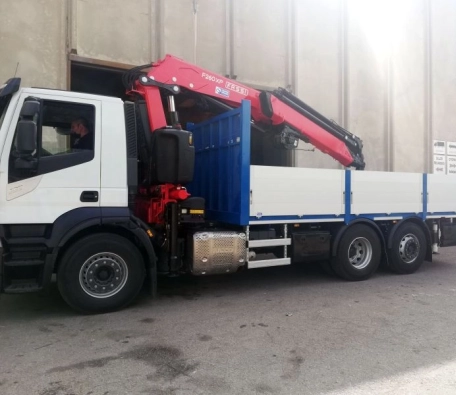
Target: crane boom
{"points": [[279, 110]]}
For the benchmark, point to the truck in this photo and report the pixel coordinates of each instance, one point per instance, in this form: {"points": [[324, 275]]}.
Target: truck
{"points": [[189, 177]]}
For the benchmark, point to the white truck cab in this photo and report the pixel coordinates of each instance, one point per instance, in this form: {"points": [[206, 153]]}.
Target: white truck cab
{"points": [[59, 178]]}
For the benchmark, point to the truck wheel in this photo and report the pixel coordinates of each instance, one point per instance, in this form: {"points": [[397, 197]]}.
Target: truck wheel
{"points": [[359, 253], [100, 273], [408, 250]]}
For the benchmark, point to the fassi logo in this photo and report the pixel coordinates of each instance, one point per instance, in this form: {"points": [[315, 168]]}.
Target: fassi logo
{"points": [[237, 88]]}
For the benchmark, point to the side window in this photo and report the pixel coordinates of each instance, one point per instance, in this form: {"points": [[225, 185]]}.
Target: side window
{"points": [[54, 143], [65, 138]]}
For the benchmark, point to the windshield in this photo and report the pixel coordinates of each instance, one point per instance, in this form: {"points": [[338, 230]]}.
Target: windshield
{"points": [[4, 101]]}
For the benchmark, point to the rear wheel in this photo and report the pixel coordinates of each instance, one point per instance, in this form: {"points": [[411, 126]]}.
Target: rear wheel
{"points": [[100, 273], [408, 249], [358, 254]]}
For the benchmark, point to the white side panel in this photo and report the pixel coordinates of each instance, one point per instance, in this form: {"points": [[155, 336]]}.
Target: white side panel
{"points": [[384, 192], [280, 191], [441, 193], [114, 192]]}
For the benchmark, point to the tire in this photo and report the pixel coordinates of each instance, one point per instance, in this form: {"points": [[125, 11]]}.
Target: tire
{"points": [[408, 249], [358, 254], [88, 275]]}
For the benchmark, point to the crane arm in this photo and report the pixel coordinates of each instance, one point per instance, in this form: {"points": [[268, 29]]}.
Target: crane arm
{"points": [[279, 110]]}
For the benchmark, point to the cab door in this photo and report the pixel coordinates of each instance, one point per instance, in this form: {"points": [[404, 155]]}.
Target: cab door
{"points": [[37, 187]]}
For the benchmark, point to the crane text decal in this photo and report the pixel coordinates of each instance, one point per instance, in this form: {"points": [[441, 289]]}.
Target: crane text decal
{"points": [[222, 92], [228, 85], [237, 88], [212, 78]]}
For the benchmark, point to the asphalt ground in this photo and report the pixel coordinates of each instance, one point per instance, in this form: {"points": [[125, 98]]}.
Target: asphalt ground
{"points": [[288, 330]]}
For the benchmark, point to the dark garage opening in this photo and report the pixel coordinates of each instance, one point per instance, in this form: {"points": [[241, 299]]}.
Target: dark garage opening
{"points": [[96, 79]]}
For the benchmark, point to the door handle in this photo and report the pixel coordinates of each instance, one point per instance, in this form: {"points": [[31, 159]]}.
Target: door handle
{"points": [[89, 196]]}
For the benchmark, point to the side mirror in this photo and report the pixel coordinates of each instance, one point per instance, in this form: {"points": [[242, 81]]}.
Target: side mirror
{"points": [[30, 108], [26, 137], [26, 133], [26, 145]]}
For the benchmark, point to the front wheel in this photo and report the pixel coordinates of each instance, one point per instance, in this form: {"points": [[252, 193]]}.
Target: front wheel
{"points": [[358, 254], [100, 273]]}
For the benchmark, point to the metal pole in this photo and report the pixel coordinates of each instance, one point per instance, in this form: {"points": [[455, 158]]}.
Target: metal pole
{"points": [[343, 67], [428, 90], [291, 60], [195, 29]]}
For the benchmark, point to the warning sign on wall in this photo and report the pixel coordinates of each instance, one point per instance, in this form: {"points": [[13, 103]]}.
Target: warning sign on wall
{"points": [[439, 147], [451, 165], [439, 164], [451, 148]]}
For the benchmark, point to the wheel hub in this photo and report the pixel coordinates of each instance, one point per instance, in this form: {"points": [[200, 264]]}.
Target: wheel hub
{"points": [[360, 253], [103, 275], [409, 248]]}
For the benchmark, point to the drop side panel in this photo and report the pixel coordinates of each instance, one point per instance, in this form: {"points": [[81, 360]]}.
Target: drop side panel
{"points": [[441, 193], [297, 192], [386, 193]]}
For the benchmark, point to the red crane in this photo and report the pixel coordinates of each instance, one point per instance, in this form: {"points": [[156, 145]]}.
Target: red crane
{"points": [[290, 118]]}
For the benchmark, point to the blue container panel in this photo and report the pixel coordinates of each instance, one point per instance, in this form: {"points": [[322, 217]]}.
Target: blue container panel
{"points": [[222, 165]]}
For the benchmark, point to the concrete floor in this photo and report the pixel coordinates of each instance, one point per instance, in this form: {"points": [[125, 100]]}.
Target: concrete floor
{"points": [[270, 331]]}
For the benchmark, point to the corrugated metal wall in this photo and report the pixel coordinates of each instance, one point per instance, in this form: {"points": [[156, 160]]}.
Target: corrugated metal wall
{"points": [[384, 69]]}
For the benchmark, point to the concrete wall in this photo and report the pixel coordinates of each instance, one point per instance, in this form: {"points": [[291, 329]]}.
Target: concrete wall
{"points": [[318, 65], [408, 87], [32, 33], [366, 83], [443, 71], [110, 30], [383, 69]]}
